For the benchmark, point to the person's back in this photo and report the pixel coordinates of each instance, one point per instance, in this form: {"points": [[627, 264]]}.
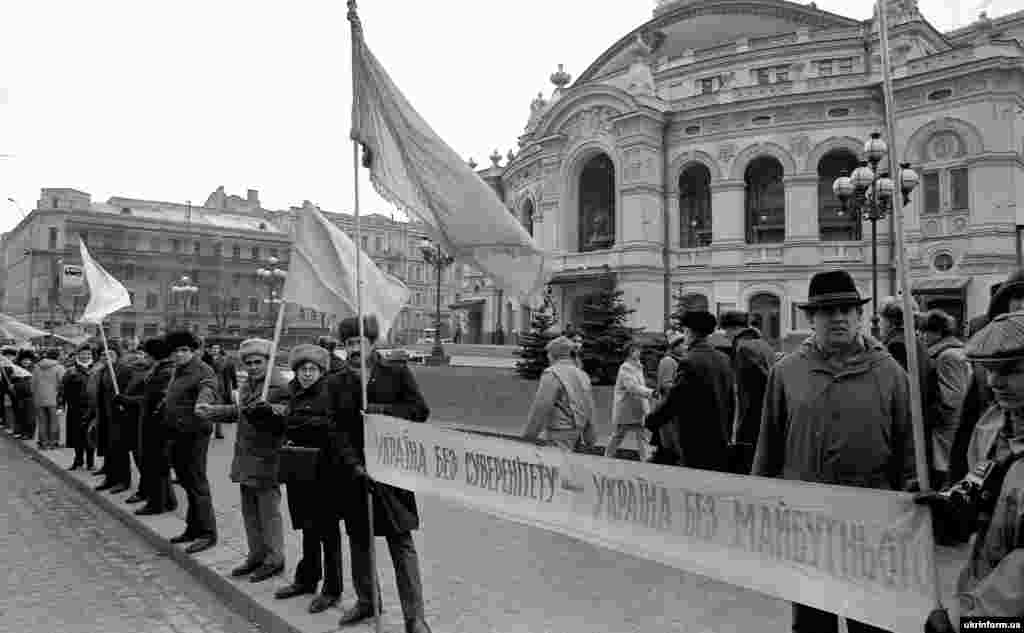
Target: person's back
{"points": [[563, 409]]}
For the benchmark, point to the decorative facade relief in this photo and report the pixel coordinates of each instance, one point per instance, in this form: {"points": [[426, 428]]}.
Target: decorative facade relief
{"points": [[726, 152], [944, 146], [590, 122], [800, 145], [640, 165]]}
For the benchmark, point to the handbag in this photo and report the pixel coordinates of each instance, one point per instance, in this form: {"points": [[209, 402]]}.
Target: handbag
{"points": [[297, 464]]}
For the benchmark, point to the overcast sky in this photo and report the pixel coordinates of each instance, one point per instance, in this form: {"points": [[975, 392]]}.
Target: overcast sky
{"points": [[166, 101]]}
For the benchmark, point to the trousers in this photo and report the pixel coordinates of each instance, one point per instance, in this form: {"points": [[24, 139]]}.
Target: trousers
{"points": [[323, 537], [189, 452], [810, 620], [619, 434], [49, 426], [407, 572], [264, 527]]}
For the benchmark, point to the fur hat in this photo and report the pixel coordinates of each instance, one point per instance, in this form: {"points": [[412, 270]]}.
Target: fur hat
{"points": [[181, 338], [307, 353], [700, 321], [85, 347], [349, 328], [734, 318], [254, 347], [156, 347], [26, 353], [561, 347]]}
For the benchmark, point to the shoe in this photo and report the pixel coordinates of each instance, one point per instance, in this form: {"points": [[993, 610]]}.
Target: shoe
{"points": [[265, 572], [119, 488], [355, 614], [183, 538], [418, 625], [135, 498], [201, 544], [106, 485], [146, 511], [322, 603], [292, 590], [74, 466], [246, 569]]}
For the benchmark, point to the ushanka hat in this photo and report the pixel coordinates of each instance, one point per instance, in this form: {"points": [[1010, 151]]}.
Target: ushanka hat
{"points": [[307, 353], [1000, 341], [700, 321], [182, 338], [254, 347], [833, 288], [156, 347], [560, 347], [349, 328]]}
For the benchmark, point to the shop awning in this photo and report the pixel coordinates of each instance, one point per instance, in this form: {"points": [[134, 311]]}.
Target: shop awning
{"points": [[942, 284]]}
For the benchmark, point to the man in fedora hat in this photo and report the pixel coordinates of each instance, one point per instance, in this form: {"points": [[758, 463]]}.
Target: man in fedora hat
{"points": [[836, 411], [694, 421]]}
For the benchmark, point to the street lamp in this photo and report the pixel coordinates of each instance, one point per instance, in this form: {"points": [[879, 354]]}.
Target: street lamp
{"points": [[273, 277], [434, 257], [869, 193], [184, 289]]}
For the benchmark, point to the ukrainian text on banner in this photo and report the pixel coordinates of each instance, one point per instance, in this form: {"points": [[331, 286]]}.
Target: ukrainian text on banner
{"points": [[865, 554]]}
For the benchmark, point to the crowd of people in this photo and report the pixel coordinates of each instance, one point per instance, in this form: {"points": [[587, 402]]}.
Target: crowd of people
{"points": [[836, 410], [161, 403]]}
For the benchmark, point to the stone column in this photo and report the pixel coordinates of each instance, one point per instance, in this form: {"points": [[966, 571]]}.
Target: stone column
{"points": [[802, 230], [728, 222]]}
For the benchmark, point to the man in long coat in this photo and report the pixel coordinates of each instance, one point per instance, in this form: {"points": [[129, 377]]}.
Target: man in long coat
{"points": [[391, 390], [155, 482], [836, 411], [752, 359], [74, 396], [694, 421], [125, 432], [193, 383], [101, 394]]}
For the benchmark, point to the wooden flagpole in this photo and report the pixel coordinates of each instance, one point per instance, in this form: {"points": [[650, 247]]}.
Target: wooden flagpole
{"points": [[106, 356], [917, 417], [278, 326]]}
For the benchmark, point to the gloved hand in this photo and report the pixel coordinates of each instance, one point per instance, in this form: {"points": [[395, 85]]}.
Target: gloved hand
{"points": [[360, 474], [259, 412], [952, 523]]}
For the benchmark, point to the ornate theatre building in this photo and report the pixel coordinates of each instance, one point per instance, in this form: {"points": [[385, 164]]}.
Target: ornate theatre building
{"points": [[695, 158]]}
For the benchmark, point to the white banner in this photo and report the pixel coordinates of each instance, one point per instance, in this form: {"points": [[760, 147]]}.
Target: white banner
{"points": [[864, 554]]}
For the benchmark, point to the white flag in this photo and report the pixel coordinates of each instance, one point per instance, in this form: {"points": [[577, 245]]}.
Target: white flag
{"points": [[106, 294], [322, 274]]}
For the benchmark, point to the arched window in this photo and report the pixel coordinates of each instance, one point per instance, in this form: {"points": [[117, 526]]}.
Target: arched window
{"points": [[695, 207], [597, 204], [527, 218], [835, 224], [765, 201], [764, 313]]}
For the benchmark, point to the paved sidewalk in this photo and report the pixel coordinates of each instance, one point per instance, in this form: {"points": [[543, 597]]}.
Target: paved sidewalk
{"points": [[480, 574]]}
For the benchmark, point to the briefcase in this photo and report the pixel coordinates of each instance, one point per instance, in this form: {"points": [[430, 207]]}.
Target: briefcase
{"points": [[297, 464]]}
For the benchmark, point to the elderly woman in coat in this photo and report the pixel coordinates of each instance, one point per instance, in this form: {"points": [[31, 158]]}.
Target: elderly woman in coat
{"points": [[307, 422], [255, 463], [74, 396]]}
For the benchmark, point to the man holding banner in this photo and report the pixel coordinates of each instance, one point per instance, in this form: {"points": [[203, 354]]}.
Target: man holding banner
{"points": [[836, 411], [391, 390]]}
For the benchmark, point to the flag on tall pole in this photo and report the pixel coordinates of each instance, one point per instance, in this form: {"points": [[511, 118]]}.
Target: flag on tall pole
{"points": [[322, 274], [413, 169], [107, 295]]}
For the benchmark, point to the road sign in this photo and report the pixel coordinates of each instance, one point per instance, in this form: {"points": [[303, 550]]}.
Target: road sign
{"points": [[71, 277]]}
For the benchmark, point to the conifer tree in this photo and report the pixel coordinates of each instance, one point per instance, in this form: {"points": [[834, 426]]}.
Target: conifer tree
{"points": [[531, 346], [605, 335]]}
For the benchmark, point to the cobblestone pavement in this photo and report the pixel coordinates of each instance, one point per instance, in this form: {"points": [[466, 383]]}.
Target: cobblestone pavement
{"points": [[72, 568]]}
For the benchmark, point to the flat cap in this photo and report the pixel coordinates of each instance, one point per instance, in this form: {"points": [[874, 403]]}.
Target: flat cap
{"points": [[1000, 341]]}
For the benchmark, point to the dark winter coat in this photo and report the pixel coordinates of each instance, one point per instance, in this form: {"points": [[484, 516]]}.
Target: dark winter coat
{"points": [[309, 422], [928, 380], [131, 382], [694, 421], [74, 395], [193, 383], [391, 390], [847, 426], [752, 359], [104, 409], [256, 461]]}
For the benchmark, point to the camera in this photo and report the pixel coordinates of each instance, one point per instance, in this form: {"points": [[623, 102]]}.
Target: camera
{"points": [[960, 508]]}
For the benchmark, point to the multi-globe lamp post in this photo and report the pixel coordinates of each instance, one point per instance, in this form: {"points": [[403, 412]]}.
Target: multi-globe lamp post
{"points": [[869, 193], [434, 257], [184, 290], [274, 278]]}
